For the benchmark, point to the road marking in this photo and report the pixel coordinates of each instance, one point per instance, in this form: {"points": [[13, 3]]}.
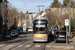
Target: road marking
{"points": [[48, 46], [69, 47], [27, 45], [20, 45], [37, 45], [9, 45], [65, 47]]}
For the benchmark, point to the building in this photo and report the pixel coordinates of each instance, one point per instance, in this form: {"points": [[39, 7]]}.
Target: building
{"points": [[42, 14], [19, 19], [29, 18]]}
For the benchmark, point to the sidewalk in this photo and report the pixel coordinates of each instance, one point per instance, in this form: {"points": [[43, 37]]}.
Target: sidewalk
{"points": [[72, 41], [64, 46]]}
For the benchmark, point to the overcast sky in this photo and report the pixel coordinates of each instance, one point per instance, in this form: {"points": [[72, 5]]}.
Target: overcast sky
{"points": [[31, 5]]}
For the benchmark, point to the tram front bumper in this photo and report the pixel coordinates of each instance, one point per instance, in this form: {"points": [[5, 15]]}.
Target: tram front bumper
{"points": [[40, 39]]}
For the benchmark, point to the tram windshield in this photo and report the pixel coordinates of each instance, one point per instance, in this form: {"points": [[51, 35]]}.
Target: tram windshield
{"points": [[39, 29], [40, 26]]}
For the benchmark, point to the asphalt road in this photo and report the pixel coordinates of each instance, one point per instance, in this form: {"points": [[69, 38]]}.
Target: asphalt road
{"points": [[24, 42]]}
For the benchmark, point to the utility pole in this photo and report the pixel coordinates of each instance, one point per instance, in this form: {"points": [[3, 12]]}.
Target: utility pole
{"points": [[69, 17], [3, 19]]}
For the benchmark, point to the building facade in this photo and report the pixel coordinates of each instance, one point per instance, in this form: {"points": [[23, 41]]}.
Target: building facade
{"points": [[29, 18]]}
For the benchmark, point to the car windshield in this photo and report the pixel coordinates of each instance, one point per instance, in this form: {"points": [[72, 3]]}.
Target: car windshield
{"points": [[62, 33], [14, 31]]}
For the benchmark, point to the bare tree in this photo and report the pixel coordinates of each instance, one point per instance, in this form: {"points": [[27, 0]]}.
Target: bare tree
{"points": [[12, 11], [51, 18]]}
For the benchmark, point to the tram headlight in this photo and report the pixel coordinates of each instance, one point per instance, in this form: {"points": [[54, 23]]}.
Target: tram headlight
{"points": [[39, 21]]}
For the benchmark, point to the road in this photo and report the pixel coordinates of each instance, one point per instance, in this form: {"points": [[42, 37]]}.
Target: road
{"points": [[24, 42]]}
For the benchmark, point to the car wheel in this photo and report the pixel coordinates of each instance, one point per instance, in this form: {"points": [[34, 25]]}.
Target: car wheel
{"points": [[47, 40]]}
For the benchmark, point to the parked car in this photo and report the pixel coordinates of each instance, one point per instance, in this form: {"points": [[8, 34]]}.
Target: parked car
{"points": [[14, 33], [60, 36], [19, 30], [52, 32], [30, 29]]}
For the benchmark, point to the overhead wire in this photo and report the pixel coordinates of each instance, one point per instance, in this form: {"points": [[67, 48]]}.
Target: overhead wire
{"points": [[25, 5], [42, 5]]}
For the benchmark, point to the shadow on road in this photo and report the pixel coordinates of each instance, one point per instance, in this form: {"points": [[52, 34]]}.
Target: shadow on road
{"points": [[8, 38], [27, 32], [50, 40], [15, 46]]}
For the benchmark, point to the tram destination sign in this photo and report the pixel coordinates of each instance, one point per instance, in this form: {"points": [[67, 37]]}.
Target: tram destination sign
{"points": [[40, 21], [40, 25]]}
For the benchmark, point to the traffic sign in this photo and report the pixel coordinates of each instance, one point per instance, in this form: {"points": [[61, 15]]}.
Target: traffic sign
{"points": [[66, 22], [56, 27]]}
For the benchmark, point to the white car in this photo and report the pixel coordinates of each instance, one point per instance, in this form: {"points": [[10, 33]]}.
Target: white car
{"points": [[30, 29]]}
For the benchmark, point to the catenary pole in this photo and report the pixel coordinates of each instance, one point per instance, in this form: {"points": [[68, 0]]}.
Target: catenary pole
{"points": [[69, 17]]}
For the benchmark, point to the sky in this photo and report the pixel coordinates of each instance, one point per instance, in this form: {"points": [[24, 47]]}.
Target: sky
{"points": [[31, 5]]}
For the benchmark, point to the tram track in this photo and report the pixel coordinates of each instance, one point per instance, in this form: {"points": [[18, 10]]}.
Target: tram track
{"points": [[13, 41], [30, 47], [44, 48], [24, 42]]}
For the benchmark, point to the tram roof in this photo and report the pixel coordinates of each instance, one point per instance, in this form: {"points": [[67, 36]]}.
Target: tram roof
{"points": [[40, 19]]}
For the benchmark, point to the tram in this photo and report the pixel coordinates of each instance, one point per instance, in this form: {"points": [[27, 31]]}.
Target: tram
{"points": [[40, 30]]}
